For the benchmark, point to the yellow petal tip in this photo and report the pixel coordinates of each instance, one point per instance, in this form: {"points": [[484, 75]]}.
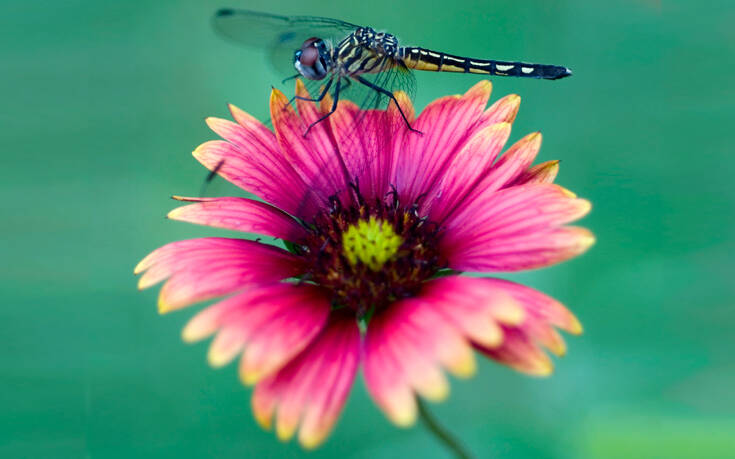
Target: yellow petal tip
{"points": [[541, 366], [310, 442], [560, 350], [584, 206], [500, 126], [545, 369], [213, 122], [139, 268], [568, 193], [300, 87], [285, 433], [492, 338], [575, 326], [277, 96], [163, 306], [437, 393], [509, 312], [249, 377], [513, 99], [264, 419], [544, 372], [405, 417], [190, 334], [484, 85], [215, 361], [174, 213], [586, 239], [465, 367]]}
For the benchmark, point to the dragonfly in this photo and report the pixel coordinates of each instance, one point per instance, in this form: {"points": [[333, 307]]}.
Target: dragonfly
{"points": [[355, 62]]}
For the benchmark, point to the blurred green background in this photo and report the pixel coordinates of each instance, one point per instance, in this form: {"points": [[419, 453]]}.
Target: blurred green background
{"points": [[102, 103]]}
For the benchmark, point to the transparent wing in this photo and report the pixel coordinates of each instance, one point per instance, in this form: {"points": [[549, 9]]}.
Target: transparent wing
{"points": [[280, 35], [369, 92], [392, 77], [365, 131], [390, 80]]}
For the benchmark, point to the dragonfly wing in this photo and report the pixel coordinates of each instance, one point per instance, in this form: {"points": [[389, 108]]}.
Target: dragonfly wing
{"points": [[392, 77], [369, 158], [367, 137], [281, 35]]}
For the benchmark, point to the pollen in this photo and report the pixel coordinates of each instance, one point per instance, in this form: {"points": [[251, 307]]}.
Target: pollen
{"points": [[370, 254], [373, 243]]}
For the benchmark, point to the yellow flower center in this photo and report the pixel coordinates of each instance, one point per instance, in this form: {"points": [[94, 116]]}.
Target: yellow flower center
{"points": [[372, 242]]}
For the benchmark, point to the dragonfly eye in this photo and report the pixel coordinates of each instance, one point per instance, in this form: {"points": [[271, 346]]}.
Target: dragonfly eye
{"points": [[309, 60], [308, 56]]}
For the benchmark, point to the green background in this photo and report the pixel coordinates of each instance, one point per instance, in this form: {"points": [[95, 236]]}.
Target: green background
{"points": [[102, 103]]}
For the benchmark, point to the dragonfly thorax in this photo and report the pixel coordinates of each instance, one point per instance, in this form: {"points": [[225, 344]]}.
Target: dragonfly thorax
{"points": [[382, 42], [313, 60]]}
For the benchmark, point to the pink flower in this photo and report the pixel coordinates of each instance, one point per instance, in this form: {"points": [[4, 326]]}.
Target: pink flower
{"points": [[379, 226]]}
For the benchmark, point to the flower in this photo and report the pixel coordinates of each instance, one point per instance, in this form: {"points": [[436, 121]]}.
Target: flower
{"points": [[379, 223]]}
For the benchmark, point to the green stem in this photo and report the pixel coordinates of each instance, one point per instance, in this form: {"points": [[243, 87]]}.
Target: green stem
{"points": [[442, 434]]}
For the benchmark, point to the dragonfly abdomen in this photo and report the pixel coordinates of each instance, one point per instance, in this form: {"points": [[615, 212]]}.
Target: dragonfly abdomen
{"points": [[434, 61]]}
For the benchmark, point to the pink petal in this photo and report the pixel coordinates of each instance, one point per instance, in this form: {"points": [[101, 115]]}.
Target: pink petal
{"points": [[265, 137], [524, 251], [472, 162], [446, 125], [465, 300], [511, 165], [257, 161], [314, 155], [282, 337], [517, 209], [365, 140], [540, 305], [312, 389], [201, 269], [385, 379], [404, 101], [240, 214], [542, 333], [520, 353], [272, 323], [399, 133], [502, 111], [405, 347], [237, 318], [262, 172], [368, 141], [540, 173], [253, 136], [474, 309], [213, 317], [522, 220]]}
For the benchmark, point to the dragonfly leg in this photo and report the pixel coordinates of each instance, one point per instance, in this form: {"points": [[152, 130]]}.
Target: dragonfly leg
{"points": [[389, 94], [321, 96], [292, 77], [334, 106]]}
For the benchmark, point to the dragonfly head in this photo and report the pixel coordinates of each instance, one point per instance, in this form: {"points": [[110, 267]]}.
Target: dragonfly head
{"points": [[312, 59]]}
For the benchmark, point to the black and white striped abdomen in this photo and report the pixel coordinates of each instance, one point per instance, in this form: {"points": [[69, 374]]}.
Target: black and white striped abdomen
{"points": [[425, 59]]}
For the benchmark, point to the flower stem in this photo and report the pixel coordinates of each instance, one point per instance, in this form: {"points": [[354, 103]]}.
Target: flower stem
{"points": [[442, 434]]}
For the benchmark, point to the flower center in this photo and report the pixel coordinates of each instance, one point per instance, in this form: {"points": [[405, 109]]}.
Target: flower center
{"points": [[371, 242], [371, 255]]}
